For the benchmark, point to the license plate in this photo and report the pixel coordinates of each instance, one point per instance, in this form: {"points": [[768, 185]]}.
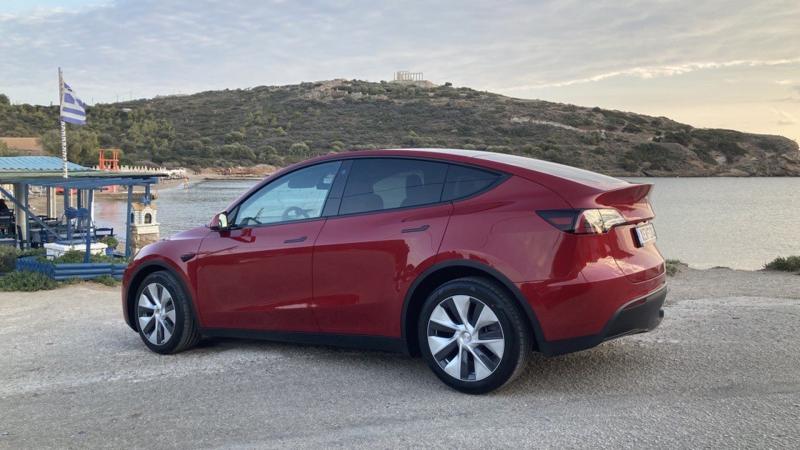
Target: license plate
{"points": [[645, 234]]}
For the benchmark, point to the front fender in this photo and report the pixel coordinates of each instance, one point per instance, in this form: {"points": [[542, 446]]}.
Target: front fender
{"points": [[176, 256]]}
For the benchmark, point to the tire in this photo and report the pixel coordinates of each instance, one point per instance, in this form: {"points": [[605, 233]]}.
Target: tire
{"points": [[484, 354], [164, 316]]}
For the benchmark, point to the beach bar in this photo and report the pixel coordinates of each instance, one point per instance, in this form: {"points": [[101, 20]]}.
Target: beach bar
{"points": [[24, 227]]}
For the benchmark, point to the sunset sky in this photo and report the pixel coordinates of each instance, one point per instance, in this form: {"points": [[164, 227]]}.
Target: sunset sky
{"points": [[730, 64]]}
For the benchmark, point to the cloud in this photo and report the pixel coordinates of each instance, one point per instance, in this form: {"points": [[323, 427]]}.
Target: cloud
{"points": [[784, 118], [793, 84], [154, 47], [663, 71], [31, 14]]}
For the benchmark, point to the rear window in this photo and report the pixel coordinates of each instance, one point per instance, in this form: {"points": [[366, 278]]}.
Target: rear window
{"points": [[464, 181], [386, 183], [559, 170]]}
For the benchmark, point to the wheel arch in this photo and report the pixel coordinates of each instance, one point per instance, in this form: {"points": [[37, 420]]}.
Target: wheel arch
{"points": [[141, 273], [446, 271]]}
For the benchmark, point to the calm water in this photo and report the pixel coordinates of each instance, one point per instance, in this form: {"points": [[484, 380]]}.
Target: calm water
{"points": [[706, 222], [734, 222], [178, 209]]}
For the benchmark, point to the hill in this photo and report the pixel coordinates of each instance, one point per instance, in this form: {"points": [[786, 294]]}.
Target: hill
{"points": [[282, 124]]}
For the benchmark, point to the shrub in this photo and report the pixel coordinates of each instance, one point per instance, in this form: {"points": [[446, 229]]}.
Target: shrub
{"points": [[704, 155], [26, 281], [659, 156], [591, 138], [788, 264], [110, 241], [8, 259], [629, 163], [76, 256], [674, 266], [631, 128], [5, 151], [106, 280], [679, 137], [31, 252], [723, 141], [299, 148], [234, 137]]}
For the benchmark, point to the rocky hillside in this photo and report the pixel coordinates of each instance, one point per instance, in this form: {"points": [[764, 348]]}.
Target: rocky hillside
{"points": [[283, 124]]}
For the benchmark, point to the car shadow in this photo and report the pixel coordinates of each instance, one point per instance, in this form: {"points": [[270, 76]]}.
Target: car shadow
{"points": [[609, 367]]}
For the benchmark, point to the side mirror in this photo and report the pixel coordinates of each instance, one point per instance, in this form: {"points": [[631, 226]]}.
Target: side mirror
{"points": [[219, 222]]}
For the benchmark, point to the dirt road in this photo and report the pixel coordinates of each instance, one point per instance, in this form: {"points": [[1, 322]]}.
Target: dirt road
{"points": [[723, 370]]}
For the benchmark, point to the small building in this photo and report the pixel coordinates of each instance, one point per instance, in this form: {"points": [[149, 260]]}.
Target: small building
{"points": [[144, 223]]}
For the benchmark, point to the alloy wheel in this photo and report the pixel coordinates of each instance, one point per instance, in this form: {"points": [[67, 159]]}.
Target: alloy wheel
{"points": [[156, 312], [465, 338]]}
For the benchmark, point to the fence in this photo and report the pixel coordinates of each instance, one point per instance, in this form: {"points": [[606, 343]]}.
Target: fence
{"points": [[67, 271]]}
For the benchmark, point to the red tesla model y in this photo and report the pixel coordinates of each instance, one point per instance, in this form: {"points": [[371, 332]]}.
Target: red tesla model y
{"points": [[470, 259]]}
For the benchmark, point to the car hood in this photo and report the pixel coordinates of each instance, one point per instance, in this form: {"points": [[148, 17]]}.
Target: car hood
{"points": [[194, 233]]}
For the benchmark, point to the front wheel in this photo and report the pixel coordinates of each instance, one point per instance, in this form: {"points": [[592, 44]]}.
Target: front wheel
{"points": [[473, 336], [164, 316]]}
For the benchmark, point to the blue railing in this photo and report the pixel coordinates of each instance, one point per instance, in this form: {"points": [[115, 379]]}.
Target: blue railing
{"points": [[67, 271]]}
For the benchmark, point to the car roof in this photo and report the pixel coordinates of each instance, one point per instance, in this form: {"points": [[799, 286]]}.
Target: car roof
{"points": [[532, 168], [573, 184]]}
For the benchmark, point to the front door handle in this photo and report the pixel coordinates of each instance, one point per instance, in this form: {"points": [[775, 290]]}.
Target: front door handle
{"points": [[295, 240], [416, 229]]}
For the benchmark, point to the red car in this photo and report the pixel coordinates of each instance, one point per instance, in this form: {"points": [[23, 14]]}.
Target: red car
{"points": [[470, 259]]}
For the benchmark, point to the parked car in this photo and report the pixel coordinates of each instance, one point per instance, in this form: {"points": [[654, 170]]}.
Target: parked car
{"points": [[470, 259]]}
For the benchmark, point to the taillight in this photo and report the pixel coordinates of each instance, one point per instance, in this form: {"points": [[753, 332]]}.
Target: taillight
{"points": [[583, 221]]}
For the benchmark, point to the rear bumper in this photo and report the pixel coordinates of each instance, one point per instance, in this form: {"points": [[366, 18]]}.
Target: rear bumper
{"points": [[637, 316]]}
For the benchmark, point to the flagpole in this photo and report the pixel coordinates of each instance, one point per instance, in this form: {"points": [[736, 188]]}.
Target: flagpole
{"points": [[61, 119]]}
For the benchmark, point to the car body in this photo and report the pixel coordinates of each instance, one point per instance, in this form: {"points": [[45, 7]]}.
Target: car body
{"points": [[389, 227]]}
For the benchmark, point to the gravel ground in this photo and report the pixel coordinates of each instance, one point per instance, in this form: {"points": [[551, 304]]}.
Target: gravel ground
{"points": [[723, 370]]}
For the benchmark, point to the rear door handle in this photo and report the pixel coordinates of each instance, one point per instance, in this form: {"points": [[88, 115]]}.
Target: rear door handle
{"points": [[416, 229], [295, 240]]}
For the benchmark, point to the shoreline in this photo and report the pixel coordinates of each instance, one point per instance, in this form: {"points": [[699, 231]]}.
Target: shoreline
{"points": [[231, 177]]}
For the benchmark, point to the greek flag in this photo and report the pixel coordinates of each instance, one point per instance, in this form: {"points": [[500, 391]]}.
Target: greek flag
{"points": [[73, 110]]}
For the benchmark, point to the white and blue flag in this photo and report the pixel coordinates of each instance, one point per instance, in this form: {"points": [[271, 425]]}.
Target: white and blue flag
{"points": [[73, 110]]}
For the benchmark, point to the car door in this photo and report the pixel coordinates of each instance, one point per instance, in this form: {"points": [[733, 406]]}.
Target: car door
{"points": [[257, 274], [391, 221]]}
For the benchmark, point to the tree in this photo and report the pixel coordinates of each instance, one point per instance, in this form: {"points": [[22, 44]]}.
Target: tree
{"points": [[5, 151], [82, 145], [337, 146], [234, 137], [299, 148]]}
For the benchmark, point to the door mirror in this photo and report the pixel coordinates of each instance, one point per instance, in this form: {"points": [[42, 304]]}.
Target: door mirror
{"points": [[219, 222]]}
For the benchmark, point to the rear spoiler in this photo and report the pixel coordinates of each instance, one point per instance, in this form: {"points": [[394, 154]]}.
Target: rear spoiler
{"points": [[631, 201]]}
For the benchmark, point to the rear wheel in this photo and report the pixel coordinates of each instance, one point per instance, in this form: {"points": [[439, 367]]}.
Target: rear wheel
{"points": [[164, 316], [473, 336]]}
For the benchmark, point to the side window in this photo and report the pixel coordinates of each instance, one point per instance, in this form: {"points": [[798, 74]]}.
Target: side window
{"points": [[296, 196], [464, 181], [386, 183]]}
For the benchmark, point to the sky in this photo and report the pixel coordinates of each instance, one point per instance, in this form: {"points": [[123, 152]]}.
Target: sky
{"points": [[728, 64]]}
